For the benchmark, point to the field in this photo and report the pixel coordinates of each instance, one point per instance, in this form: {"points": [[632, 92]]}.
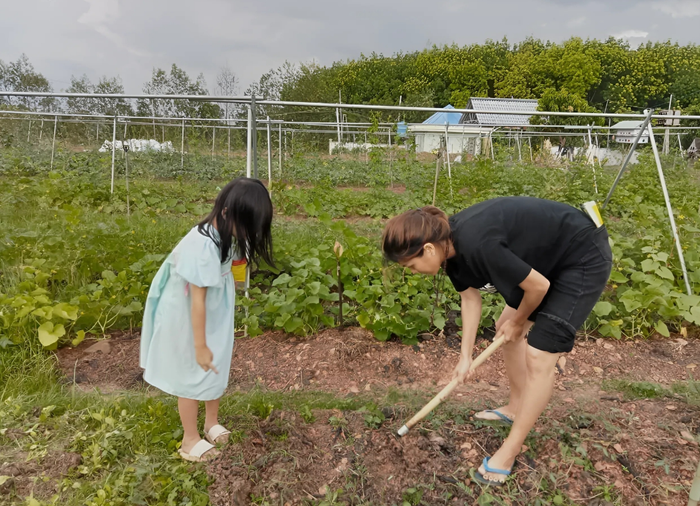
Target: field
{"points": [[313, 400]]}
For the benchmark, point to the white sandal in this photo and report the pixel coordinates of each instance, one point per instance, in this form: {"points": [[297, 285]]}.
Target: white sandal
{"points": [[215, 433], [198, 453]]}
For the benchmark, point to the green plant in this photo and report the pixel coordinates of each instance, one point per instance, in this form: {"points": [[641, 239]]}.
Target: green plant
{"points": [[307, 414]]}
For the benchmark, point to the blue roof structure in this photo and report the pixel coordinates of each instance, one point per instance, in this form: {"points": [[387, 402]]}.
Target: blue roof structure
{"points": [[440, 118]]}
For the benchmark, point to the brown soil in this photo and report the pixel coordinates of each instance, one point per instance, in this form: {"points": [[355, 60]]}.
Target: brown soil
{"points": [[635, 448], [38, 478], [351, 359], [290, 460]]}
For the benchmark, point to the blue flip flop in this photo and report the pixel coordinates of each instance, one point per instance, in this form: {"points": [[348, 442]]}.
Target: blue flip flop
{"points": [[480, 477], [503, 418]]}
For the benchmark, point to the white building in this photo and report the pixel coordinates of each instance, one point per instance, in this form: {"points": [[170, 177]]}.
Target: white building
{"points": [[470, 132]]}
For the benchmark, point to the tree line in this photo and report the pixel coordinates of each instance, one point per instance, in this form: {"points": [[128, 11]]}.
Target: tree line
{"points": [[575, 75]]}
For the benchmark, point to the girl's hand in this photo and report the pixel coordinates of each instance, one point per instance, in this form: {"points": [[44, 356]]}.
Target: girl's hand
{"points": [[205, 358], [462, 371], [511, 330]]}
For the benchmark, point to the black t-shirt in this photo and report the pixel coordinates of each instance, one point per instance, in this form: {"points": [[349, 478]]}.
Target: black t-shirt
{"points": [[498, 242]]}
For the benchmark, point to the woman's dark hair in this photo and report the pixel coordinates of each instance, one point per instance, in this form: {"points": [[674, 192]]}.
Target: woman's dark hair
{"points": [[405, 235], [243, 210]]}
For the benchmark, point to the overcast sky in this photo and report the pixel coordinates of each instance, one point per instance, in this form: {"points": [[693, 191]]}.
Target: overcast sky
{"points": [[130, 37]]}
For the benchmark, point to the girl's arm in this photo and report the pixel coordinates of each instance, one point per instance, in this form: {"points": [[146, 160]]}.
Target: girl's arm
{"points": [[471, 316], [204, 356]]}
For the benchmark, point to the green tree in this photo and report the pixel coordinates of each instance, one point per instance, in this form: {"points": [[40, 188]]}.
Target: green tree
{"points": [[177, 82], [20, 76], [99, 106]]}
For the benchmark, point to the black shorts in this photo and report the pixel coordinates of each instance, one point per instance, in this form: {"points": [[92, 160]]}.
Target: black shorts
{"points": [[572, 294]]}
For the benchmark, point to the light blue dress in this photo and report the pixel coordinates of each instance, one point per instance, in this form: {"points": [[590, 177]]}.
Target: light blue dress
{"points": [[167, 338]]}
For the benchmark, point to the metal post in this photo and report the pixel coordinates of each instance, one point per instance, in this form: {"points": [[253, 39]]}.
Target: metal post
{"points": [[529, 141], [126, 176], [249, 145], [667, 133], [114, 143], [269, 155], [29, 130], [437, 172], [182, 147], [391, 163], [255, 136], [53, 143], [124, 139], [279, 149], [520, 153], [447, 152], [337, 122], [493, 154], [628, 157], [669, 209], [228, 149], [592, 160], [41, 131], [366, 149], [213, 140]]}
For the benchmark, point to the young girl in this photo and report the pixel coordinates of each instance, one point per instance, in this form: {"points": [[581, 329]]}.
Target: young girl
{"points": [[550, 263], [187, 335]]}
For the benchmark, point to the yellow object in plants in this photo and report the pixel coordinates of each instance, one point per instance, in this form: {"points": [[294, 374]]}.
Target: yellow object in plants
{"points": [[238, 268]]}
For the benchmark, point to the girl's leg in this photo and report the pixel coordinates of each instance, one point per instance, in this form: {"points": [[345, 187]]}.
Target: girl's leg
{"points": [[212, 419], [540, 367], [514, 355], [189, 409]]}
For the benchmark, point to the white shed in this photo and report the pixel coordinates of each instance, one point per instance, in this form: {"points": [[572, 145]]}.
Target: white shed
{"points": [[625, 132]]}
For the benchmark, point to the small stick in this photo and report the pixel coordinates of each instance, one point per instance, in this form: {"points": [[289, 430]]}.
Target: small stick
{"points": [[445, 392]]}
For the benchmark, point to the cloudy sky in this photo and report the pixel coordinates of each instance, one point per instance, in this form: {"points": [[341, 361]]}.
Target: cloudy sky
{"points": [[130, 37]]}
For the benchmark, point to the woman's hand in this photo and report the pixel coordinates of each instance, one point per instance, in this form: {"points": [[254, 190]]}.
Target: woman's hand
{"points": [[462, 372], [511, 330], [205, 358]]}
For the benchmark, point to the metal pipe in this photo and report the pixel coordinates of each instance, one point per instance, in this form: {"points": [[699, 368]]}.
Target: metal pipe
{"points": [[669, 209], [254, 120], [53, 143], [644, 124], [279, 150], [114, 142], [376, 107], [249, 144], [182, 147], [269, 156]]}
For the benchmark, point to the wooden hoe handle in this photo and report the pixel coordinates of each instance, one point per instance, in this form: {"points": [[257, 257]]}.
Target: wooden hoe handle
{"points": [[445, 392]]}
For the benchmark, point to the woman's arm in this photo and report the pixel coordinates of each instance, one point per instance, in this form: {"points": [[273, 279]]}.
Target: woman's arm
{"points": [[471, 316], [203, 354], [535, 286]]}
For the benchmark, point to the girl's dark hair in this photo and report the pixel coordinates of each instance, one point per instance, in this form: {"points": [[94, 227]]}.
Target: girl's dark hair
{"points": [[243, 210], [406, 234]]}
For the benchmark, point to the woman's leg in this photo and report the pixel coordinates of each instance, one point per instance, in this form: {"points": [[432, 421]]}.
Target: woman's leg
{"points": [[189, 409], [514, 355], [540, 366]]}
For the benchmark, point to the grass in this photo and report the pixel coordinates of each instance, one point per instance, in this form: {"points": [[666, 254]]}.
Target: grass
{"points": [[689, 390], [127, 440]]}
